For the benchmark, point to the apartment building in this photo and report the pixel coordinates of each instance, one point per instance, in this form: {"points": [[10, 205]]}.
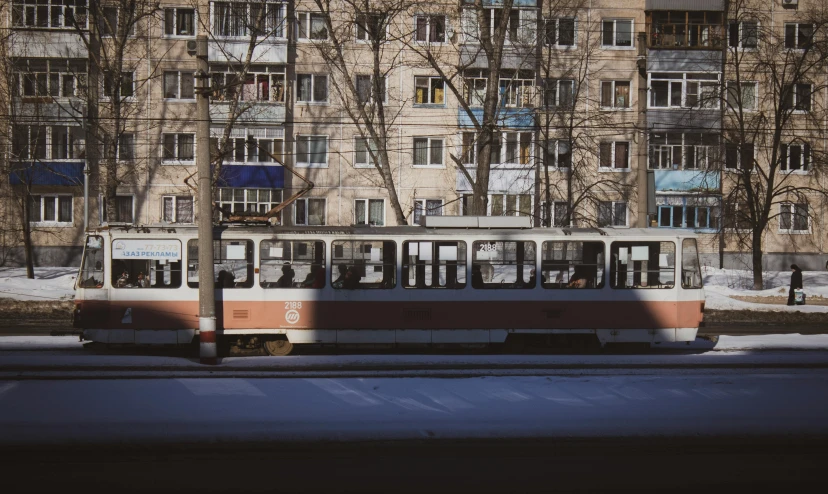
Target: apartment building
{"points": [[640, 113]]}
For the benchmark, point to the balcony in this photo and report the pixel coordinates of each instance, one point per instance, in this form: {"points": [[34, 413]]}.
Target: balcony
{"points": [[683, 30], [699, 181]]}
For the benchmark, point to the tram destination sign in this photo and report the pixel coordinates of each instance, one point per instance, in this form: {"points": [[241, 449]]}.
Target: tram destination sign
{"points": [[147, 249]]}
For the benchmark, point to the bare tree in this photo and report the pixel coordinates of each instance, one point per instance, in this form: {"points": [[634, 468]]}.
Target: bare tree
{"points": [[359, 75], [773, 124]]}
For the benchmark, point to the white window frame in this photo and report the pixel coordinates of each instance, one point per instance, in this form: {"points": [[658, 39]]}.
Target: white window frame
{"points": [[556, 154], [108, 97], [704, 155], [738, 167], [370, 98], [103, 23], [367, 203], [57, 73], [504, 206], [175, 200], [557, 44], [130, 136], [615, 45], [306, 220], [56, 222], [174, 10], [428, 29], [614, 147], [613, 214], [517, 92], [179, 76], [132, 208], [474, 95], [369, 162], [556, 84], [432, 92], [63, 21], [805, 156], [421, 206], [685, 80], [429, 145], [733, 107], [364, 37], [313, 100], [177, 149], [796, 34], [553, 211], [613, 90], [310, 138], [275, 74], [795, 98], [740, 25], [259, 206], [278, 31], [791, 212], [306, 18], [244, 137]]}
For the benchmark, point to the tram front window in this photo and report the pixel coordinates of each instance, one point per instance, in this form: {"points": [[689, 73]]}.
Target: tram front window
{"points": [[92, 267], [149, 263]]}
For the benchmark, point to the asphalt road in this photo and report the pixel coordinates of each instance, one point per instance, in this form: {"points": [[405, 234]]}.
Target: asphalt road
{"points": [[721, 464]]}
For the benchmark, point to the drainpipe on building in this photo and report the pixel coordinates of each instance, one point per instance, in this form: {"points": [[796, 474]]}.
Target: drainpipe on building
{"points": [[85, 196]]}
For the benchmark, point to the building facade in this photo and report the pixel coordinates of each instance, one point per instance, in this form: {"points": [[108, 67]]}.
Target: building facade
{"points": [[608, 114]]}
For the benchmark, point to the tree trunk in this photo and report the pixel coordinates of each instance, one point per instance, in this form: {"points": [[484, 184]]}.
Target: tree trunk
{"points": [[27, 236], [756, 247]]}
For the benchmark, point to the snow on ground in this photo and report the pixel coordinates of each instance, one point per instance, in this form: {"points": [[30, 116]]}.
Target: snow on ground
{"points": [[720, 286]]}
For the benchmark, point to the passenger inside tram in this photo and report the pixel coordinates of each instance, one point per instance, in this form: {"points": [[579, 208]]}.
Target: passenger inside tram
{"points": [[286, 280]]}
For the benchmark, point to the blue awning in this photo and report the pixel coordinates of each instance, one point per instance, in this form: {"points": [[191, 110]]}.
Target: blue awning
{"points": [[252, 176], [47, 173]]}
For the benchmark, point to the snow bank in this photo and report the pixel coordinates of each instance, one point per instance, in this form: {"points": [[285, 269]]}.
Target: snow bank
{"points": [[49, 284]]}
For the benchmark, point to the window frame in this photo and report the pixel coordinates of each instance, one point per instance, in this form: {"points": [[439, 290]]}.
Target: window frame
{"points": [[792, 213], [174, 18], [56, 222], [528, 264], [615, 45], [275, 74], [794, 92], [614, 94], [740, 34], [428, 28], [798, 43], [18, 15], [127, 77], [805, 155], [304, 21], [313, 88], [259, 206], [179, 78], [174, 201], [369, 145], [367, 204], [277, 31], [176, 159], [310, 138], [105, 28], [613, 156], [370, 99], [362, 35], [429, 154], [684, 79], [734, 105], [432, 92], [614, 216], [553, 86], [557, 24], [421, 208], [117, 208], [307, 216]]}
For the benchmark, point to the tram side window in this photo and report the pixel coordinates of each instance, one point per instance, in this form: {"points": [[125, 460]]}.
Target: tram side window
{"points": [[691, 276], [498, 264], [232, 263], [146, 263], [643, 265], [432, 264], [92, 267], [292, 264], [572, 264], [363, 264]]}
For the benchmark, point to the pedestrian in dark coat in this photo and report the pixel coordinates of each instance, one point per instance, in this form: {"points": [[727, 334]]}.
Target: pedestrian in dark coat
{"points": [[796, 282]]}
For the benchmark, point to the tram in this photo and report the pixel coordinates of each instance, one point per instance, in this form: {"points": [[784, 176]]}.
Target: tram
{"points": [[451, 281]]}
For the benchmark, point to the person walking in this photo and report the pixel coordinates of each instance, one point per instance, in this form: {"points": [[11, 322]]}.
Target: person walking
{"points": [[796, 283]]}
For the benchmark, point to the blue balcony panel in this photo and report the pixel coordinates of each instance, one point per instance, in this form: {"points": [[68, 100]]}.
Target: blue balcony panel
{"points": [[62, 173], [252, 176], [686, 180], [507, 118]]}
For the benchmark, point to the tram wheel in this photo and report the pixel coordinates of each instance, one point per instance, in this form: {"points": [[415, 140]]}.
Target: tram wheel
{"points": [[279, 347]]}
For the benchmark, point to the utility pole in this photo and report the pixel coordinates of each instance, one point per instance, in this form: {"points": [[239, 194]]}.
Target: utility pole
{"points": [[206, 290]]}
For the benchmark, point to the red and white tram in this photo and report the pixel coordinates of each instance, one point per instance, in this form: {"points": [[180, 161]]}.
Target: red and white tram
{"points": [[456, 280]]}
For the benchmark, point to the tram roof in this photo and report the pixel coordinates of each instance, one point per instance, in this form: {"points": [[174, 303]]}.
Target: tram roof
{"points": [[394, 230]]}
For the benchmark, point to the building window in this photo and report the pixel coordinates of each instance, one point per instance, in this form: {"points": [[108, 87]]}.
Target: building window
{"points": [[558, 92], [615, 155], [793, 218], [241, 201], [108, 24], [51, 210], [520, 24], [311, 151], [250, 148], [179, 22], [55, 14], [311, 25], [179, 85], [798, 36], [365, 89], [559, 32], [310, 211], [242, 19], [743, 34], [616, 32], [370, 27], [177, 209], [795, 157], [426, 207], [124, 209], [48, 78], [510, 204], [739, 156], [518, 147], [684, 90], [517, 91], [429, 90], [741, 96], [796, 97], [311, 88], [115, 88], [615, 94], [58, 142], [474, 87], [363, 157], [612, 213], [468, 150], [369, 212], [680, 216], [125, 151], [428, 151], [558, 154], [430, 28], [265, 83], [554, 214], [179, 147], [688, 151]]}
